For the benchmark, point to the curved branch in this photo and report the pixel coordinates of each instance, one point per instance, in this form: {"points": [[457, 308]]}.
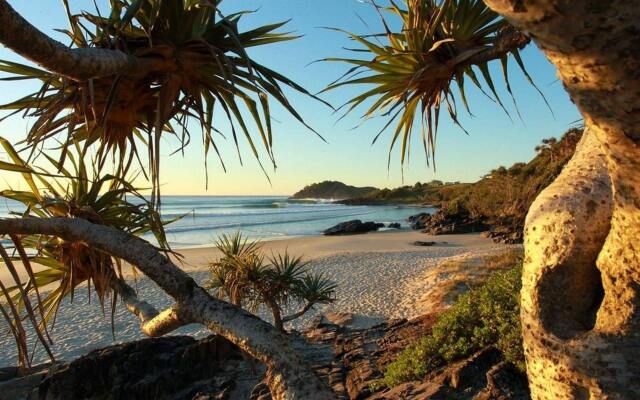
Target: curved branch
{"points": [[299, 314], [507, 41], [152, 322], [292, 377], [77, 64]]}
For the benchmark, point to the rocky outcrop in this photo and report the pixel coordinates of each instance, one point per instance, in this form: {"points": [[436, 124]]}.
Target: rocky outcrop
{"points": [[351, 360], [505, 234], [174, 367], [394, 225], [483, 376], [352, 227], [442, 223], [361, 356]]}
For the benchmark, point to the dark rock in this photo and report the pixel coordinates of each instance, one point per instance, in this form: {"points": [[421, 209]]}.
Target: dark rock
{"points": [[352, 227], [418, 221], [8, 373], [394, 225], [175, 367], [506, 234], [505, 382], [360, 355], [483, 376], [424, 244], [442, 223]]}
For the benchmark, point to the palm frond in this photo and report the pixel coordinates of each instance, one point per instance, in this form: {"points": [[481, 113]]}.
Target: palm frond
{"points": [[205, 67], [410, 77], [75, 189]]}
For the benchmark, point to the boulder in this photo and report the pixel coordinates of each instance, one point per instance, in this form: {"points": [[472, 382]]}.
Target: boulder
{"points": [[352, 227], [394, 225], [173, 367]]}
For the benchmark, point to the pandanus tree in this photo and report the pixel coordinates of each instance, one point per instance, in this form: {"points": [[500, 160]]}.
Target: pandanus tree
{"points": [[580, 296], [128, 78], [246, 279]]}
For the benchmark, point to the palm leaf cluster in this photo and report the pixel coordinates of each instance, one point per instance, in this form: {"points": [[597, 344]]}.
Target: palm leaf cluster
{"points": [[204, 70], [411, 76], [248, 279], [78, 190]]}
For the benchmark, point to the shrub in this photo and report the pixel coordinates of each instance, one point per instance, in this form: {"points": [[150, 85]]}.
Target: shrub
{"points": [[244, 277], [488, 315]]}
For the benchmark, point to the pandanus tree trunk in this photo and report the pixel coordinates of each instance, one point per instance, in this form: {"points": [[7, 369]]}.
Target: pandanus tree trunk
{"points": [[277, 316], [581, 281], [289, 377]]}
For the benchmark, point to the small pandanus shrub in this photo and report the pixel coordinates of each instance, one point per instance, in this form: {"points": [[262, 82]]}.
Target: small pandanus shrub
{"points": [[191, 62], [410, 74], [248, 279], [74, 190]]}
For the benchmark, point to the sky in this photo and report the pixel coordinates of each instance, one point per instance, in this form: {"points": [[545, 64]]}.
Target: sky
{"points": [[494, 139]]}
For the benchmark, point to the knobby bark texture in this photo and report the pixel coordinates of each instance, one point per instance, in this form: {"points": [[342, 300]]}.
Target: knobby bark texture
{"points": [[290, 377], [580, 299], [152, 322]]}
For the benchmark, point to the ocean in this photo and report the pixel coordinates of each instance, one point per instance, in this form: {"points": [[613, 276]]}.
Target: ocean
{"points": [[258, 217]]}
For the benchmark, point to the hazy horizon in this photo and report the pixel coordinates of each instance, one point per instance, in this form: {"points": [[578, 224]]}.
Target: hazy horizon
{"points": [[303, 158]]}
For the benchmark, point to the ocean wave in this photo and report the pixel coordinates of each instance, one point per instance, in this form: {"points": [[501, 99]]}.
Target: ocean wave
{"points": [[259, 212], [228, 225]]}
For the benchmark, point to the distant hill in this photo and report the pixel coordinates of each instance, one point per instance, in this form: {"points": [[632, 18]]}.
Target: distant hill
{"points": [[332, 190], [502, 196]]}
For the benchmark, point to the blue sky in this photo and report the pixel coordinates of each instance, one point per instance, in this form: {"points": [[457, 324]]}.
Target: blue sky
{"points": [[349, 156]]}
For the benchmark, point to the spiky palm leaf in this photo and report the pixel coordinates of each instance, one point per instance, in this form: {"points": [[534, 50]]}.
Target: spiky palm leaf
{"points": [[78, 190], [316, 289], [201, 64], [242, 276], [240, 265], [441, 42]]}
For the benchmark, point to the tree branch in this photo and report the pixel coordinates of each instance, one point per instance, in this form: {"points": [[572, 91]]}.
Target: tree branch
{"points": [[292, 377], [77, 64], [507, 41], [299, 314], [152, 322]]}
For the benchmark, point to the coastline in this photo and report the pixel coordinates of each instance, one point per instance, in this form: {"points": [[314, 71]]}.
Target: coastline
{"points": [[319, 246], [379, 275]]}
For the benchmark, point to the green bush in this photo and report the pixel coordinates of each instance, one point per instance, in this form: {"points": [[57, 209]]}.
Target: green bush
{"points": [[485, 316]]}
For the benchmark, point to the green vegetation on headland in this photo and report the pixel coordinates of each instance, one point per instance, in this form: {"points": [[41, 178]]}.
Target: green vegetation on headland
{"points": [[503, 191], [332, 190], [431, 193], [499, 200]]}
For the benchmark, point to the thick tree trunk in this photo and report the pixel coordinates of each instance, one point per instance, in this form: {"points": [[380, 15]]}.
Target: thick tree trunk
{"points": [[277, 316], [580, 299], [292, 378]]}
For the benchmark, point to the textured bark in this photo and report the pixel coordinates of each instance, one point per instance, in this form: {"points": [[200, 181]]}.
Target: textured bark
{"points": [[277, 316], [152, 322], [581, 301], [78, 64], [292, 379]]}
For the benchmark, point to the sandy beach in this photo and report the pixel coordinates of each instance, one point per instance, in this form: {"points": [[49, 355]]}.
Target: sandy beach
{"points": [[378, 277]]}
